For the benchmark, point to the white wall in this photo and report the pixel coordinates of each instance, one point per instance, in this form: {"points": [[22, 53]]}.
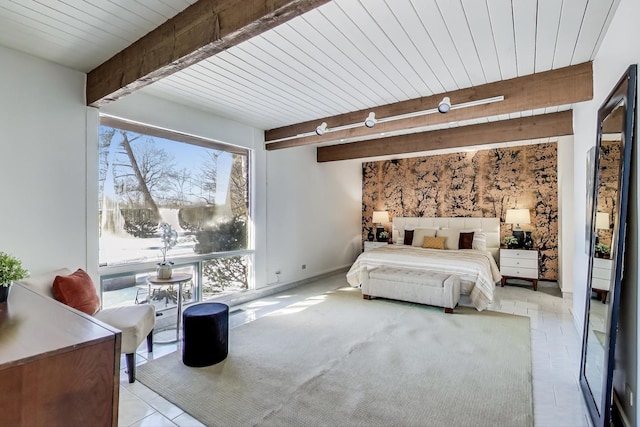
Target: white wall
{"points": [[42, 165], [618, 50], [314, 213], [565, 215]]}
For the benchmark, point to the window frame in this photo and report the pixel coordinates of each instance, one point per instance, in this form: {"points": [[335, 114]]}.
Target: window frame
{"points": [[116, 270]]}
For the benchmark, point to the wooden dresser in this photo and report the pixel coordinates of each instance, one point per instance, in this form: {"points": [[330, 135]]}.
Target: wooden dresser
{"points": [[58, 366]]}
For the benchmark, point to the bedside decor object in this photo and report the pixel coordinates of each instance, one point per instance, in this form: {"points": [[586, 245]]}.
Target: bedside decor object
{"points": [[528, 240], [383, 236], [602, 223], [10, 271], [517, 217], [380, 217], [169, 238], [601, 250], [370, 235], [511, 242]]}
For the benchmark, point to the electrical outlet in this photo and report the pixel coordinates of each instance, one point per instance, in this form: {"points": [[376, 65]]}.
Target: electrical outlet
{"points": [[304, 266]]}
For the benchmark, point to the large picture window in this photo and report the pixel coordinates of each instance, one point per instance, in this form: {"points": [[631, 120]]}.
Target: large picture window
{"points": [[200, 188]]}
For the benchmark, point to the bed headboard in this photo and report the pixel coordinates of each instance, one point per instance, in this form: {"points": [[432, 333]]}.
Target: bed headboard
{"points": [[489, 226]]}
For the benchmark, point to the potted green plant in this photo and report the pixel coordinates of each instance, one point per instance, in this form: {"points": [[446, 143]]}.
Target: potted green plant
{"points": [[510, 241], [383, 236], [601, 250], [10, 270]]}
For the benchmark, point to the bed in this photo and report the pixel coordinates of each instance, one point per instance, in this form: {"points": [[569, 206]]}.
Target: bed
{"points": [[476, 268]]}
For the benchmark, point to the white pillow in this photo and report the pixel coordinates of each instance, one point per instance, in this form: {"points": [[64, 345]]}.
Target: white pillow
{"points": [[452, 236], [420, 233], [479, 241]]}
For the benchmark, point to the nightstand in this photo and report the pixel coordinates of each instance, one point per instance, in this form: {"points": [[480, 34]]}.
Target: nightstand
{"points": [[601, 277], [372, 245], [519, 264]]}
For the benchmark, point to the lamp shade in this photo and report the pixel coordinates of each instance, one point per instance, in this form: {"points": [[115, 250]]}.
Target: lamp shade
{"points": [[602, 221], [380, 217], [517, 216]]}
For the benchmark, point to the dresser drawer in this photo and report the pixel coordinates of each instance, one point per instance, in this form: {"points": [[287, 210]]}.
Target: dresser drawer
{"points": [[601, 273], [519, 262], [604, 264], [518, 254], [601, 284], [528, 273]]}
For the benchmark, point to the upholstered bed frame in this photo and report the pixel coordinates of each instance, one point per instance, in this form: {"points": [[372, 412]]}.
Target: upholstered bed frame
{"points": [[489, 226]]}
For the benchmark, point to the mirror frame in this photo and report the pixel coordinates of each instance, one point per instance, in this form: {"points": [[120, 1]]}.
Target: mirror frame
{"points": [[625, 93]]}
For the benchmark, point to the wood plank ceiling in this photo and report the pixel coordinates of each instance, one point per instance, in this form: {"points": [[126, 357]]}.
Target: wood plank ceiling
{"points": [[343, 56]]}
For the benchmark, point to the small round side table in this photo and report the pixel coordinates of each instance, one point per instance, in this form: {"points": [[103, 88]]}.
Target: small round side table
{"points": [[176, 278]]}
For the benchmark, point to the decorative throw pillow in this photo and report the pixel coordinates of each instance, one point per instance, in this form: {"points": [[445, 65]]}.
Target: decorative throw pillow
{"points": [[480, 241], [466, 240], [420, 233], [408, 237], [77, 290], [452, 236], [433, 242]]}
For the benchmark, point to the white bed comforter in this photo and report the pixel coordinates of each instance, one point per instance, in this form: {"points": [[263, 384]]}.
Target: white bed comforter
{"points": [[473, 266]]}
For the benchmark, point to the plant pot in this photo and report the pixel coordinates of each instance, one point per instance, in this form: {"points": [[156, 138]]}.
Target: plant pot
{"points": [[4, 293], [164, 271]]}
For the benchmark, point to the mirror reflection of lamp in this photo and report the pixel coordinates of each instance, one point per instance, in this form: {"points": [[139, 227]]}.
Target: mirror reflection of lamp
{"points": [[602, 223], [517, 217], [380, 217]]}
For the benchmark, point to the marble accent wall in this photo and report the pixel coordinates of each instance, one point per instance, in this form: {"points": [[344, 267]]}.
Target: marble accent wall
{"points": [[472, 184]]}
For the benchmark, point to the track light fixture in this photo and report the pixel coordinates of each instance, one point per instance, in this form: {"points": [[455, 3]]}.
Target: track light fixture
{"points": [[445, 105], [371, 120], [320, 130]]}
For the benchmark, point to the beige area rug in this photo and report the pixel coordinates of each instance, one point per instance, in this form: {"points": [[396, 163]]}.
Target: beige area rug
{"points": [[338, 360]]}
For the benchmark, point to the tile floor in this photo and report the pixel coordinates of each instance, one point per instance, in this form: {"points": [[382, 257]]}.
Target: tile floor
{"points": [[555, 355]]}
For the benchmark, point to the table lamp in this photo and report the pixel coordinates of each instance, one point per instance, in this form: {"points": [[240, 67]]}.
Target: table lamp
{"points": [[602, 223], [380, 217], [517, 217]]}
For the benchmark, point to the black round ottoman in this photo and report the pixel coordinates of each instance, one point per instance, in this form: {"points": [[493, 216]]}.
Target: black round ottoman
{"points": [[205, 337]]}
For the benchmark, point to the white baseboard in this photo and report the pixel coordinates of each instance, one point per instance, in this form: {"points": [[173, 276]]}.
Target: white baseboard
{"points": [[250, 295]]}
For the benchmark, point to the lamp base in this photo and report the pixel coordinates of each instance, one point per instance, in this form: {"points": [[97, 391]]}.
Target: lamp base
{"points": [[519, 234], [378, 231]]}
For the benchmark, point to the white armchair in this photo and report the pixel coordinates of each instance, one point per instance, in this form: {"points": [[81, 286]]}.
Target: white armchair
{"points": [[136, 322]]}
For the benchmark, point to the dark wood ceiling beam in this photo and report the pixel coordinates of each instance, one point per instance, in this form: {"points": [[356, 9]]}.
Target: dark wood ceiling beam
{"points": [[548, 89], [542, 126], [200, 31]]}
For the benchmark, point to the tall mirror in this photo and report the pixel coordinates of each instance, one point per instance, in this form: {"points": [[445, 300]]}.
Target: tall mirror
{"points": [[607, 224]]}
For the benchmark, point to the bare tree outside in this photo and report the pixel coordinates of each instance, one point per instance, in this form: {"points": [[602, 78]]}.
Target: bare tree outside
{"points": [[201, 192]]}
